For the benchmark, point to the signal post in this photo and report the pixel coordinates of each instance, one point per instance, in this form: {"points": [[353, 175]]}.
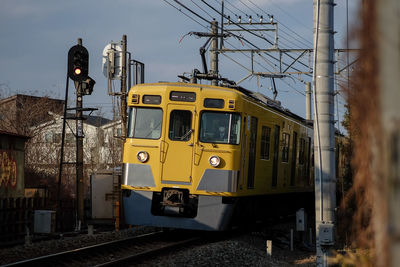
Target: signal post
{"points": [[78, 71], [79, 149]]}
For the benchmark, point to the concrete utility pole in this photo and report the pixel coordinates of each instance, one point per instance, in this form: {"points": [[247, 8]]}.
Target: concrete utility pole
{"points": [[324, 138], [387, 166], [123, 87], [214, 51], [79, 151]]}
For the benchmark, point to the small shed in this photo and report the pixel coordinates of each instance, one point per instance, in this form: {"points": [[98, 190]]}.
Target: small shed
{"points": [[105, 193]]}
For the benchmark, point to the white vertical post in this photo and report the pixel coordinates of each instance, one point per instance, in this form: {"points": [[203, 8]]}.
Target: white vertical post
{"points": [[269, 247], [324, 139]]}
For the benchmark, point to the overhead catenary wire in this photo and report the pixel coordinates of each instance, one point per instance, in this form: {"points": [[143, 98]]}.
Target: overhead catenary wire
{"points": [[301, 37], [206, 27], [282, 31], [261, 55], [268, 34], [247, 42], [199, 16], [202, 9], [255, 46]]}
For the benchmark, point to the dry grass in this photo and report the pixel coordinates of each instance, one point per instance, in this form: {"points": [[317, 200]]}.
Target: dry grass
{"points": [[366, 195]]}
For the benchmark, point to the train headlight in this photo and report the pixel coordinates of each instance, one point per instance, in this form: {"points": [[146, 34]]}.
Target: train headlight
{"points": [[214, 161], [142, 156]]}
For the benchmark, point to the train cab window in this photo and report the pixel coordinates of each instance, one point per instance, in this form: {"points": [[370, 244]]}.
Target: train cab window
{"points": [[180, 125], [220, 127], [144, 123], [285, 147], [265, 142]]}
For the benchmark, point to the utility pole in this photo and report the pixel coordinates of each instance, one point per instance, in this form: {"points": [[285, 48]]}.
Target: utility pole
{"points": [[214, 52], [386, 163], [324, 139], [123, 87], [79, 150], [308, 101]]}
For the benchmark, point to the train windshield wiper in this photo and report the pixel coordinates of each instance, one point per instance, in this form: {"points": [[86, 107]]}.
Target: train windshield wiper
{"points": [[186, 134]]}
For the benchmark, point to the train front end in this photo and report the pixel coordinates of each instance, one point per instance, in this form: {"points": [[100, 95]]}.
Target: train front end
{"points": [[182, 156]]}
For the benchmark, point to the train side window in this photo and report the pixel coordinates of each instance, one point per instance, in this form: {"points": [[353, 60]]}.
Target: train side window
{"points": [[275, 156], [285, 147], [308, 160], [302, 151], [220, 127], [252, 152], [180, 125], [265, 142], [293, 160]]}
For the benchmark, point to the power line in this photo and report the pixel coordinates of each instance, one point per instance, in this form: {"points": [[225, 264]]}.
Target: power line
{"points": [[288, 40], [185, 14], [202, 9], [271, 16], [301, 37], [252, 34]]}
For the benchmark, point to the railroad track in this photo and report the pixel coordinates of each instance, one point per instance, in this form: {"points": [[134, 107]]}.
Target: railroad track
{"points": [[116, 253]]}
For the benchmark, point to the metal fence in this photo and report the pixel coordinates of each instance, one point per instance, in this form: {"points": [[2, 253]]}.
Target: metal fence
{"points": [[17, 216]]}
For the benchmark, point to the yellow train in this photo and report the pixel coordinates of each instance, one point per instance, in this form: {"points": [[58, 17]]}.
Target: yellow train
{"points": [[207, 157]]}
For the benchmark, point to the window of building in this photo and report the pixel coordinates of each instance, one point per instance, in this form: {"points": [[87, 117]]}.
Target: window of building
{"points": [[265, 142], [49, 137]]}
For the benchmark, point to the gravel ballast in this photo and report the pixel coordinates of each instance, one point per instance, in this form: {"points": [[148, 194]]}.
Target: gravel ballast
{"points": [[244, 250]]}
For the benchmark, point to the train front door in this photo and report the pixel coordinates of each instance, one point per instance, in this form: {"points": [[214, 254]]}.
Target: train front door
{"points": [[178, 145]]}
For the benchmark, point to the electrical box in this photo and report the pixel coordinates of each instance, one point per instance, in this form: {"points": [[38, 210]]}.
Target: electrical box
{"points": [[301, 220], [326, 234], [44, 221]]}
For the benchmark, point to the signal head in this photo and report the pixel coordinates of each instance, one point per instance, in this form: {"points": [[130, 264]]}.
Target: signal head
{"points": [[78, 63]]}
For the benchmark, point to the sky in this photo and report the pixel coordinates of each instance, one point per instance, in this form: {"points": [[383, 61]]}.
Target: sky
{"points": [[36, 36]]}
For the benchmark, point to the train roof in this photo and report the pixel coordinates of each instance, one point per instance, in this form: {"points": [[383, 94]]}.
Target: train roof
{"points": [[257, 97]]}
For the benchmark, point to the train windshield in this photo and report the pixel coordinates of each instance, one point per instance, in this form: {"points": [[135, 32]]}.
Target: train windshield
{"points": [[220, 127], [145, 123]]}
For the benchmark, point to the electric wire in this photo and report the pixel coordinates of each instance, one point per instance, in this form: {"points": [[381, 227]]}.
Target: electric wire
{"points": [[180, 10], [254, 35], [301, 37], [284, 32], [202, 9], [239, 37]]}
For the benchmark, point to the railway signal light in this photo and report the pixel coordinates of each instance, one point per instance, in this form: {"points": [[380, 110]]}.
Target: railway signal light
{"points": [[78, 63]]}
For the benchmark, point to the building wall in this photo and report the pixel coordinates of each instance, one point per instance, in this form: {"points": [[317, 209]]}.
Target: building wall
{"points": [[19, 113], [101, 149], [12, 182]]}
